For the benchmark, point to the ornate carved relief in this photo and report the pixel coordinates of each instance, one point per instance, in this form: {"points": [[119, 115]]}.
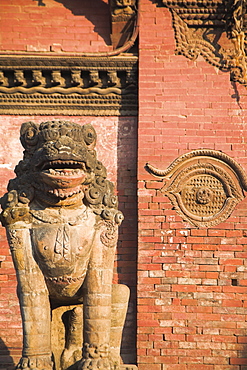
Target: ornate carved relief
{"points": [[68, 86], [123, 17], [214, 29], [204, 186]]}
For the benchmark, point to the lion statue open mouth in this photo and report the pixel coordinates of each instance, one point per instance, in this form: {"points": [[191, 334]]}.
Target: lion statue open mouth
{"points": [[62, 221]]}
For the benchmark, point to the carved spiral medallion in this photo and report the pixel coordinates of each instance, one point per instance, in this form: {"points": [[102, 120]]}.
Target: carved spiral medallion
{"points": [[204, 186]]}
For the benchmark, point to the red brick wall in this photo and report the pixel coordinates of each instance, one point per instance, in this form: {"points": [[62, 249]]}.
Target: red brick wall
{"points": [[54, 25], [116, 148], [189, 314]]}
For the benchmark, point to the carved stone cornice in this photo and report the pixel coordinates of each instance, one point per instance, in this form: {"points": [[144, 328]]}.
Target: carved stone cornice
{"points": [[215, 29], [68, 85]]}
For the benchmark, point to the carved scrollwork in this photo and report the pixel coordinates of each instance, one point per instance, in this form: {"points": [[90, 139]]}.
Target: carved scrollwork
{"points": [[204, 186], [94, 195], [90, 86], [214, 29], [109, 234]]}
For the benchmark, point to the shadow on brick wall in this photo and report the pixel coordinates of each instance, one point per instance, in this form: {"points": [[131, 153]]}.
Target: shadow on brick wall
{"points": [[98, 14], [127, 247], [7, 362], [241, 359]]}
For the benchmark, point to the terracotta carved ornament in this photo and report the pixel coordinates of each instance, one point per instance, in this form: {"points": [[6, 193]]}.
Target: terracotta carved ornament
{"points": [[214, 29], [62, 221], [204, 186]]}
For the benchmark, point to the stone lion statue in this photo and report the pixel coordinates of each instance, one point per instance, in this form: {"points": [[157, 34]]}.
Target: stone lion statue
{"points": [[61, 217]]}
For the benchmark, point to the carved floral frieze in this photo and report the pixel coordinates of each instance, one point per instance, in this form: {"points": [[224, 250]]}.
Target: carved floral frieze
{"points": [[69, 86], [215, 29], [204, 186]]}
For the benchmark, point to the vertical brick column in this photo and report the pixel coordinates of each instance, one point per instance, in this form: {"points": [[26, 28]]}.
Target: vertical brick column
{"points": [[191, 282]]}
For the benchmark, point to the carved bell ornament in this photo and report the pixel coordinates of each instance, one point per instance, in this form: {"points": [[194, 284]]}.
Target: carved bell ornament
{"points": [[215, 29], [204, 186]]}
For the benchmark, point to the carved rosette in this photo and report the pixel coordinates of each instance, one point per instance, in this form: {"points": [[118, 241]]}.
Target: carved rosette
{"points": [[109, 234], [97, 86], [204, 186], [214, 29]]}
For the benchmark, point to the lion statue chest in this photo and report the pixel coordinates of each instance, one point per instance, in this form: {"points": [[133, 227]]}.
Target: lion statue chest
{"points": [[61, 243]]}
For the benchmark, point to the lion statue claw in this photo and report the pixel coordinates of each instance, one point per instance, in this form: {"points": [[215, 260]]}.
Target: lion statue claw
{"points": [[35, 363], [62, 220]]}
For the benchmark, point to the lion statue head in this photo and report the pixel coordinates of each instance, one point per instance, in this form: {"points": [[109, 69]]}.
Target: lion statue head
{"points": [[59, 169]]}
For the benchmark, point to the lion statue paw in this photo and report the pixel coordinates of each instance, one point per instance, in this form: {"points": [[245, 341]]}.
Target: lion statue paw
{"points": [[97, 364], [69, 357], [35, 363]]}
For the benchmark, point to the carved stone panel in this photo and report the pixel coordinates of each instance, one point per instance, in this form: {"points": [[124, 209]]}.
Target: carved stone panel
{"points": [[204, 186], [215, 29], [44, 85]]}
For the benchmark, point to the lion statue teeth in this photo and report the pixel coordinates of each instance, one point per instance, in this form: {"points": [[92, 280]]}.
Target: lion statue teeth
{"points": [[61, 219]]}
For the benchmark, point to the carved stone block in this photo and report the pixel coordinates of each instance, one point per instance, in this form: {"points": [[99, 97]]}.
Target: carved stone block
{"points": [[204, 186], [61, 217]]}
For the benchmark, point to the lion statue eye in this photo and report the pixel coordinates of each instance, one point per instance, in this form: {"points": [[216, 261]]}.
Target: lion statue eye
{"points": [[29, 134], [89, 135]]}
